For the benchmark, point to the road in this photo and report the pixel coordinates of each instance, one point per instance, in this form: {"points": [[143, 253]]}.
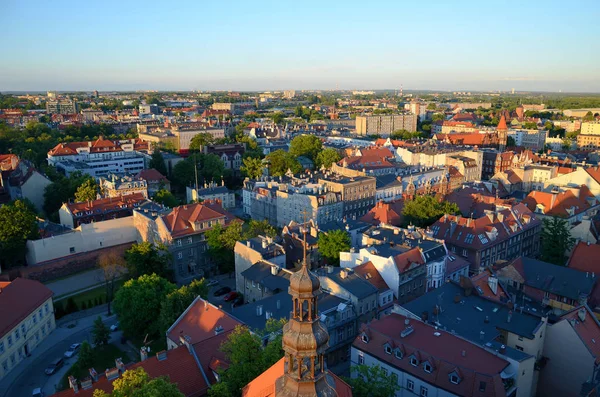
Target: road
{"points": [[35, 376]]}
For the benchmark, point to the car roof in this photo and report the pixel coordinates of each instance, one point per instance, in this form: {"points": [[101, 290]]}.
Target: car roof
{"points": [[57, 360], [36, 390]]}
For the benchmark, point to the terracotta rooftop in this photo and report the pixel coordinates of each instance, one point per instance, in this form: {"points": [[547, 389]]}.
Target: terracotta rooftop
{"points": [[151, 175], [406, 260], [585, 258], [369, 272], [447, 355], [200, 322], [99, 145], [180, 222], [18, 299], [482, 283], [8, 161], [104, 205], [388, 213], [560, 203], [502, 124]]}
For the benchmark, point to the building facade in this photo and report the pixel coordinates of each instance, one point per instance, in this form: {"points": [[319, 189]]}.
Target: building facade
{"points": [[384, 125]]}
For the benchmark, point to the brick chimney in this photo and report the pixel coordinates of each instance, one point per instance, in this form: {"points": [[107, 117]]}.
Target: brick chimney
{"points": [[73, 384], [143, 353], [93, 374], [119, 364]]}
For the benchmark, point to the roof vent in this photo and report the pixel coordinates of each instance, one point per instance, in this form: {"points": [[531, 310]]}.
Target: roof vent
{"points": [[437, 334], [581, 314], [218, 330], [407, 331]]}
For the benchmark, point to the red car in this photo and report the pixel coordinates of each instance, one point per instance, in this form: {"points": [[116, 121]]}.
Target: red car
{"points": [[231, 296]]}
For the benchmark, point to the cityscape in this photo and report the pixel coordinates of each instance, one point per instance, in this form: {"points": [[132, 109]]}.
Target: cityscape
{"points": [[299, 200]]}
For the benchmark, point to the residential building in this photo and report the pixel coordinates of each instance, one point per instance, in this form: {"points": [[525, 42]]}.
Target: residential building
{"points": [[501, 234], [116, 186], [74, 214], [155, 181], [427, 361], [590, 128], [384, 125], [467, 166], [258, 249], [20, 179], [358, 193], [589, 176], [27, 319], [289, 94], [572, 356], [263, 279], [584, 258], [211, 191], [530, 139], [570, 204], [182, 230], [388, 187], [178, 136], [385, 295], [260, 200], [386, 213], [311, 200], [148, 109], [424, 181], [589, 142], [231, 155], [62, 106], [495, 162], [558, 287], [99, 158]]}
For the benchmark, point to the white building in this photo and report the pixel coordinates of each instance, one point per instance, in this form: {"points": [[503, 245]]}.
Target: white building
{"points": [[530, 139]]}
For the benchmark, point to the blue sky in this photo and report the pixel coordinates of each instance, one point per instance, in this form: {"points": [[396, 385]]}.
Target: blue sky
{"points": [[263, 45]]}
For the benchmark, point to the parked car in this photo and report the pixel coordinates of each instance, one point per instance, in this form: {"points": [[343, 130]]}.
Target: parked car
{"points": [[114, 327], [54, 366], [231, 296], [37, 392], [212, 282], [238, 301], [222, 291], [73, 349]]}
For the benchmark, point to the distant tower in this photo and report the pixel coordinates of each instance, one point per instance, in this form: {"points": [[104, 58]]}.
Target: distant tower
{"points": [[96, 94], [502, 133], [401, 95], [513, 91]]}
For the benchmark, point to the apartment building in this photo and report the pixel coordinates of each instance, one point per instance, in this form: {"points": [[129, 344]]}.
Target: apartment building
{"points": [[62, 106], [231, 155], [178, 136], [384, 125], [212, 191], [569, 203], [495, 162], [258, 250], [75, 214], [357, 193], [530, 139], [27, 319], [20, 179], [311, 200], [116, 186]]}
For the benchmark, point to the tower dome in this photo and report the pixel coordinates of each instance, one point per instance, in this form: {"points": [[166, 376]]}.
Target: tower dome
{"points": [[304, 283]]}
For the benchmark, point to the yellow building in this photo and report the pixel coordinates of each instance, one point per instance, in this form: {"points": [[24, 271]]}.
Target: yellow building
{"points": [[587, 141], [590, 128], [26, 319]]}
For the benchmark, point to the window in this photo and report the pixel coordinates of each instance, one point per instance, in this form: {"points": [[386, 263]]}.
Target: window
{"points": [[189, 240], [388, 349], [482, 386], [398, 354], [72, 250], [361, 358], [385, 371], [5, 366], [1, 347], [9, 339], [424, 391], [179, 255], [35, 318], [179, 243], [414, 362], [520, 338], [12, 359], [519, 347], [17, 334], [365, 338], [410, 385], [427, 367]]}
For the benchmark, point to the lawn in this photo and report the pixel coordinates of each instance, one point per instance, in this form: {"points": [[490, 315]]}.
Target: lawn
{"points": [[91, 296], [104, 357]]}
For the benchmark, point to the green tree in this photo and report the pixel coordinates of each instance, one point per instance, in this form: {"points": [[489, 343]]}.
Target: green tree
{"points": [[327, 157], [86, 356], [281, 161], [137, 383], [263, 228], [306, 145], [88, 191], [278, 117], [177, 301], [166, 198], [18, 223], [221, 243], [157, 162], [61, 191], [556, 241], [423, 211], [252, 167], [530, 125], [201, 140], [138, 303], [113, 267], [431, 106], [100, 332], [510, 142], [146, 258], [332, 243], [438, 117], [372, 381], [588, 116]]}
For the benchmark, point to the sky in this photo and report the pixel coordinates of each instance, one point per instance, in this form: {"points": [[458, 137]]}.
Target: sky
{"points": [[274, 45]]}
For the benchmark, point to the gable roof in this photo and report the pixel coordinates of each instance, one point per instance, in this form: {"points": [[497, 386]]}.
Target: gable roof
{"points": [[559, 203], [388, 213], [585, 258], [18, 299], [588, 329], [369, 272], [151, 174], [180, 221]]}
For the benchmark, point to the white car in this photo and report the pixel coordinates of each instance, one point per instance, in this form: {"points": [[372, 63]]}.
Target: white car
{"points": [[114, 327], [212, 282], [73, 349], [37, 392]]}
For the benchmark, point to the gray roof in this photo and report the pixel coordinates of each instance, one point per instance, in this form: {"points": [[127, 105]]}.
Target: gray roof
{"points": [[468, 317], [213, 190], [353, 224], [260, 272], [509, 352], [387, 181], [248, 313], [352, 283], [271, 249], [559, 280]]}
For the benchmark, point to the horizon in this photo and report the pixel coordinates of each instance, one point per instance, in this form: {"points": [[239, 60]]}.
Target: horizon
{"points": [[74, 47]]}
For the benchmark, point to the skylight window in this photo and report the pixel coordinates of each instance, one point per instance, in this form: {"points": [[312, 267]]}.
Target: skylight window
{"points": [[469, 238], [483, 238]]}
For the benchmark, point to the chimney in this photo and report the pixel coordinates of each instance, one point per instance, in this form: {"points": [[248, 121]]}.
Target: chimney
{"points": [[248, 244], [143, 354], [264, 243], [464, 353], [93, 374], [502, 349], [185, 340], [111, 374], [581, 314], [482, 336], [162, 355], [274, 270], [219, 330], [73, 384], [86, 384], [509, 316], [278, 304], [259, 310]]}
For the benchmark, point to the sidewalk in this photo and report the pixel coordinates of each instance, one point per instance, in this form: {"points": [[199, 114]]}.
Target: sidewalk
{"points": [[65, 327], [76, 282]]}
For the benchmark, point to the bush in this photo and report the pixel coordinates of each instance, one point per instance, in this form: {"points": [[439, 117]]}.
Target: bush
{"points": [[83, 306], [96, 301], [71, 306]]}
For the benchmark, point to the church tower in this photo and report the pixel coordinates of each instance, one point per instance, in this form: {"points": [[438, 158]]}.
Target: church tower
{"points": [[305, 340], [502, 133]]}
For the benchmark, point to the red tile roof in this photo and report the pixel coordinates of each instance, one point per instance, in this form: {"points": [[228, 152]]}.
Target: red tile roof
{"points": [[199, 322], [8, 161], [406, 260], [264, 384], [388, 213], [179, 366], [151, 175], [18, 299], [369, 272], [557, 203], [481, 282], [106, 204], [588, 330], [446, 354], [585, 258], [99, 145], [180, 221], [502, 123]]}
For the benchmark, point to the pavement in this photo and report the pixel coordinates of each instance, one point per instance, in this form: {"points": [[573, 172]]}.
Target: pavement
{"points": [[29, 374], [224, 281], [76, 283]]}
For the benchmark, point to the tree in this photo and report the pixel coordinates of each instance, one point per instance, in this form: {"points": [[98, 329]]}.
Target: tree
{"points": [[177, 301], [438, 117], [332, 243], [556, 241], [138, 303], [281, 161], [87, 191], [431, 106], [113, 267], [18, 223], [327, 157], [510, 142], [252, 167], [137, 383], [262, 228], [423, 211], [201, 140], [588, 116], [145, 258], [100, 333], [221, 243], [278, 117], [372, 381], [158, 162], [86, 355], [165, 197], [61, 191], [306, 145], [530, 125]]}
